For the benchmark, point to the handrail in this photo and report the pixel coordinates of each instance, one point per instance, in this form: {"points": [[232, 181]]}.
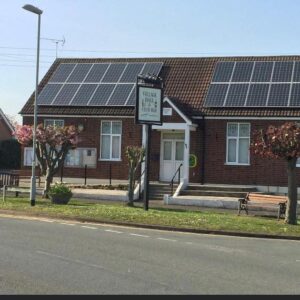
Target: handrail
{"points": [[172, 181]]}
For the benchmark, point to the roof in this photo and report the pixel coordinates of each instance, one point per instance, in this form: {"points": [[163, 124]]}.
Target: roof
{"points": [[6, 121], [186, 79]]}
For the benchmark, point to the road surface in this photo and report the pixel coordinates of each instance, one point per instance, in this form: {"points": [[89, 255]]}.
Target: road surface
{"points": [[40, 256]]}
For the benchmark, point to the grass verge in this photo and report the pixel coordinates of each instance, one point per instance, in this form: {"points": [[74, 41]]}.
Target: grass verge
{"points": [[116, 212]]}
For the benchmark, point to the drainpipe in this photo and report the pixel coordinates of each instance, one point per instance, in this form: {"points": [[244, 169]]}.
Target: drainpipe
{"points": [[203, 151]]}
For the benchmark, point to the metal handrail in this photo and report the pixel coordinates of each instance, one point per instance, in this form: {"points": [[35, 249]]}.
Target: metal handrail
{"points": [[172, 181]]}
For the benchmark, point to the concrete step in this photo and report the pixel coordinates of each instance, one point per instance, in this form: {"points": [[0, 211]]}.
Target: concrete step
{"points": [[221, 193], [221, 188]]}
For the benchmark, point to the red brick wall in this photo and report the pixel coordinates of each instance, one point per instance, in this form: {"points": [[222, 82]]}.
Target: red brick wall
{"points": [[260, 172], [90, 137]]}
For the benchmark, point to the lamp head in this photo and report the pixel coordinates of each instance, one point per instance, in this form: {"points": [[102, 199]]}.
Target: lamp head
{"points": [[32, 9]]}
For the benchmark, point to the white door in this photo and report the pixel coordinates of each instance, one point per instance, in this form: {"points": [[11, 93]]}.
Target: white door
{"points": [[171, 156]]}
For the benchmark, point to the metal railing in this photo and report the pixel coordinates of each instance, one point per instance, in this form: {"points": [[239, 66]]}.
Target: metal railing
{"points": [[172, 181], [7, 178]]}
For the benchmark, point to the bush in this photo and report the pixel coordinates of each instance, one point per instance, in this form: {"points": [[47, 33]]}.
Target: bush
{"points": [[10, 154]]}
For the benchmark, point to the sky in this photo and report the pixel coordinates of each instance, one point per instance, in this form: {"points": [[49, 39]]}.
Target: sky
{"points": [[136, 28]]}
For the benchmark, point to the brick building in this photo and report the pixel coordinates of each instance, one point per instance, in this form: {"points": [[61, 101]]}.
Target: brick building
{"points": [[210, 107], [6, 128]]}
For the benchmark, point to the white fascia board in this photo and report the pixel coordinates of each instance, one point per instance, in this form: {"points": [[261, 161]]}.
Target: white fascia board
{"points": [[181, 114]]}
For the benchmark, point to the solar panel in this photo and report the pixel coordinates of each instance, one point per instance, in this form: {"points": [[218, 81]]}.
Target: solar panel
{"points": [[262, 71], [66, 94], [48, 94], [152, 68], [237, 95], [242, 71], [79, 73], [223, 72], [295, 95], [101, 95], [132, 72], [132, 98], [258, 94], [296, 76], [282, 71], [258, 75], [120, 94], [96, 73], [114, 72], [88, 84], [216, 95], [62, 72], [84, 94], [279, 95]]}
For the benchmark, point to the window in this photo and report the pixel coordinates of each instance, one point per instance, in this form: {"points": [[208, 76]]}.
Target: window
{"points": [[54, 122], [80, 157], [28, 156], [111, 140], [238, 142]]}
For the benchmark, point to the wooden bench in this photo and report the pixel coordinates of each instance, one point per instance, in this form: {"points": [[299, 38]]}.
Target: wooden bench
{"points": [[257, 199]]}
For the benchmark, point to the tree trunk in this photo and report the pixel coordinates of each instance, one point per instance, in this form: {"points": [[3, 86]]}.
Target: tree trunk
{"points": [[291, 209], [48, 181]]}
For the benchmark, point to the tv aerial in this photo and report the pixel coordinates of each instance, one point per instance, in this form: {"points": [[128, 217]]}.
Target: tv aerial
{"points": [[56, 41]]}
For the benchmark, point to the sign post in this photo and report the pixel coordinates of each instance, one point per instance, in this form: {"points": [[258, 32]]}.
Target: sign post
{"points": [[148, 111]]}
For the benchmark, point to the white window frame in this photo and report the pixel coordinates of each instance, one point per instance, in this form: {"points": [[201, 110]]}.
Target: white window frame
{"points": [[25, 163], [81, 165], [54, 121], [111, 134], [237, 138]]}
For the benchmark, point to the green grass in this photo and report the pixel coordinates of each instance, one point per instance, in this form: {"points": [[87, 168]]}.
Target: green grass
{"points": [[200, 219]]}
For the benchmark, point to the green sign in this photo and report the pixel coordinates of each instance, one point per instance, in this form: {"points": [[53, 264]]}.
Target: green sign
{"points": [[193, 161]]}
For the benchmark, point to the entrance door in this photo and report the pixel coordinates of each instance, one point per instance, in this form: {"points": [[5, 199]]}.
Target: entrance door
{"points": [[172, 149]]}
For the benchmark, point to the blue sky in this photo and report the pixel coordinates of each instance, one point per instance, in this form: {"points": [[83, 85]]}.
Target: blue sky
{"points": [[135, 28]]}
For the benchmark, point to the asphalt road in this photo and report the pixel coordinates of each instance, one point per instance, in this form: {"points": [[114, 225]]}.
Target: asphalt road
{"points": [[57, 257]]}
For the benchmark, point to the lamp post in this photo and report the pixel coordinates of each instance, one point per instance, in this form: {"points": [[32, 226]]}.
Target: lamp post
{"points": [[37, 11]]}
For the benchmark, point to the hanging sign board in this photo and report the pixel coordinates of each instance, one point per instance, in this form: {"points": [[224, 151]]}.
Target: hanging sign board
{"points": [[148, 105]]}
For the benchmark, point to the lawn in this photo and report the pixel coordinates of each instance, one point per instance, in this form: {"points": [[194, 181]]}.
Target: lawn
{"points": [[200, 219]]}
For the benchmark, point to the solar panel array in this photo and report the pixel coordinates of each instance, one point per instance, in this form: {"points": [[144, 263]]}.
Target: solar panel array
{"points": [[98, 84], [255, 84]]}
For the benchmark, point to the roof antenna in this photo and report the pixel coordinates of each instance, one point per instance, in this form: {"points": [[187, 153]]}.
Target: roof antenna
{"points": [[56, 41]]}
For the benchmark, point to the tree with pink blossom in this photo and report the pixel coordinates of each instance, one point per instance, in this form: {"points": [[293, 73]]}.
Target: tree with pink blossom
{"points": [[52, 146], [282, 142]]}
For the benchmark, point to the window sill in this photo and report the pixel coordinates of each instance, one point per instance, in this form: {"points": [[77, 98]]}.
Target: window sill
{"points": [[110, 160], [238, 165]]}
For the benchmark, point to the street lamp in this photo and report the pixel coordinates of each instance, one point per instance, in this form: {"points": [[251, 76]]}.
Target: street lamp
{"points": [[37, 11]]}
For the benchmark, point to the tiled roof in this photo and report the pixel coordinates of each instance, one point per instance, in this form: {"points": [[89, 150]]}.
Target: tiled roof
{"points": [[186, 80], [6, 121]]}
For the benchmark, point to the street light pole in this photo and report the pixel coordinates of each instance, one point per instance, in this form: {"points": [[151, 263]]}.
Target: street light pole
{"points": [[37, 11]]}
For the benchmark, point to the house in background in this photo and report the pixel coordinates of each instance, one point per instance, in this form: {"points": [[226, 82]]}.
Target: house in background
{"points": [[6, 128], [210, 107]]}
